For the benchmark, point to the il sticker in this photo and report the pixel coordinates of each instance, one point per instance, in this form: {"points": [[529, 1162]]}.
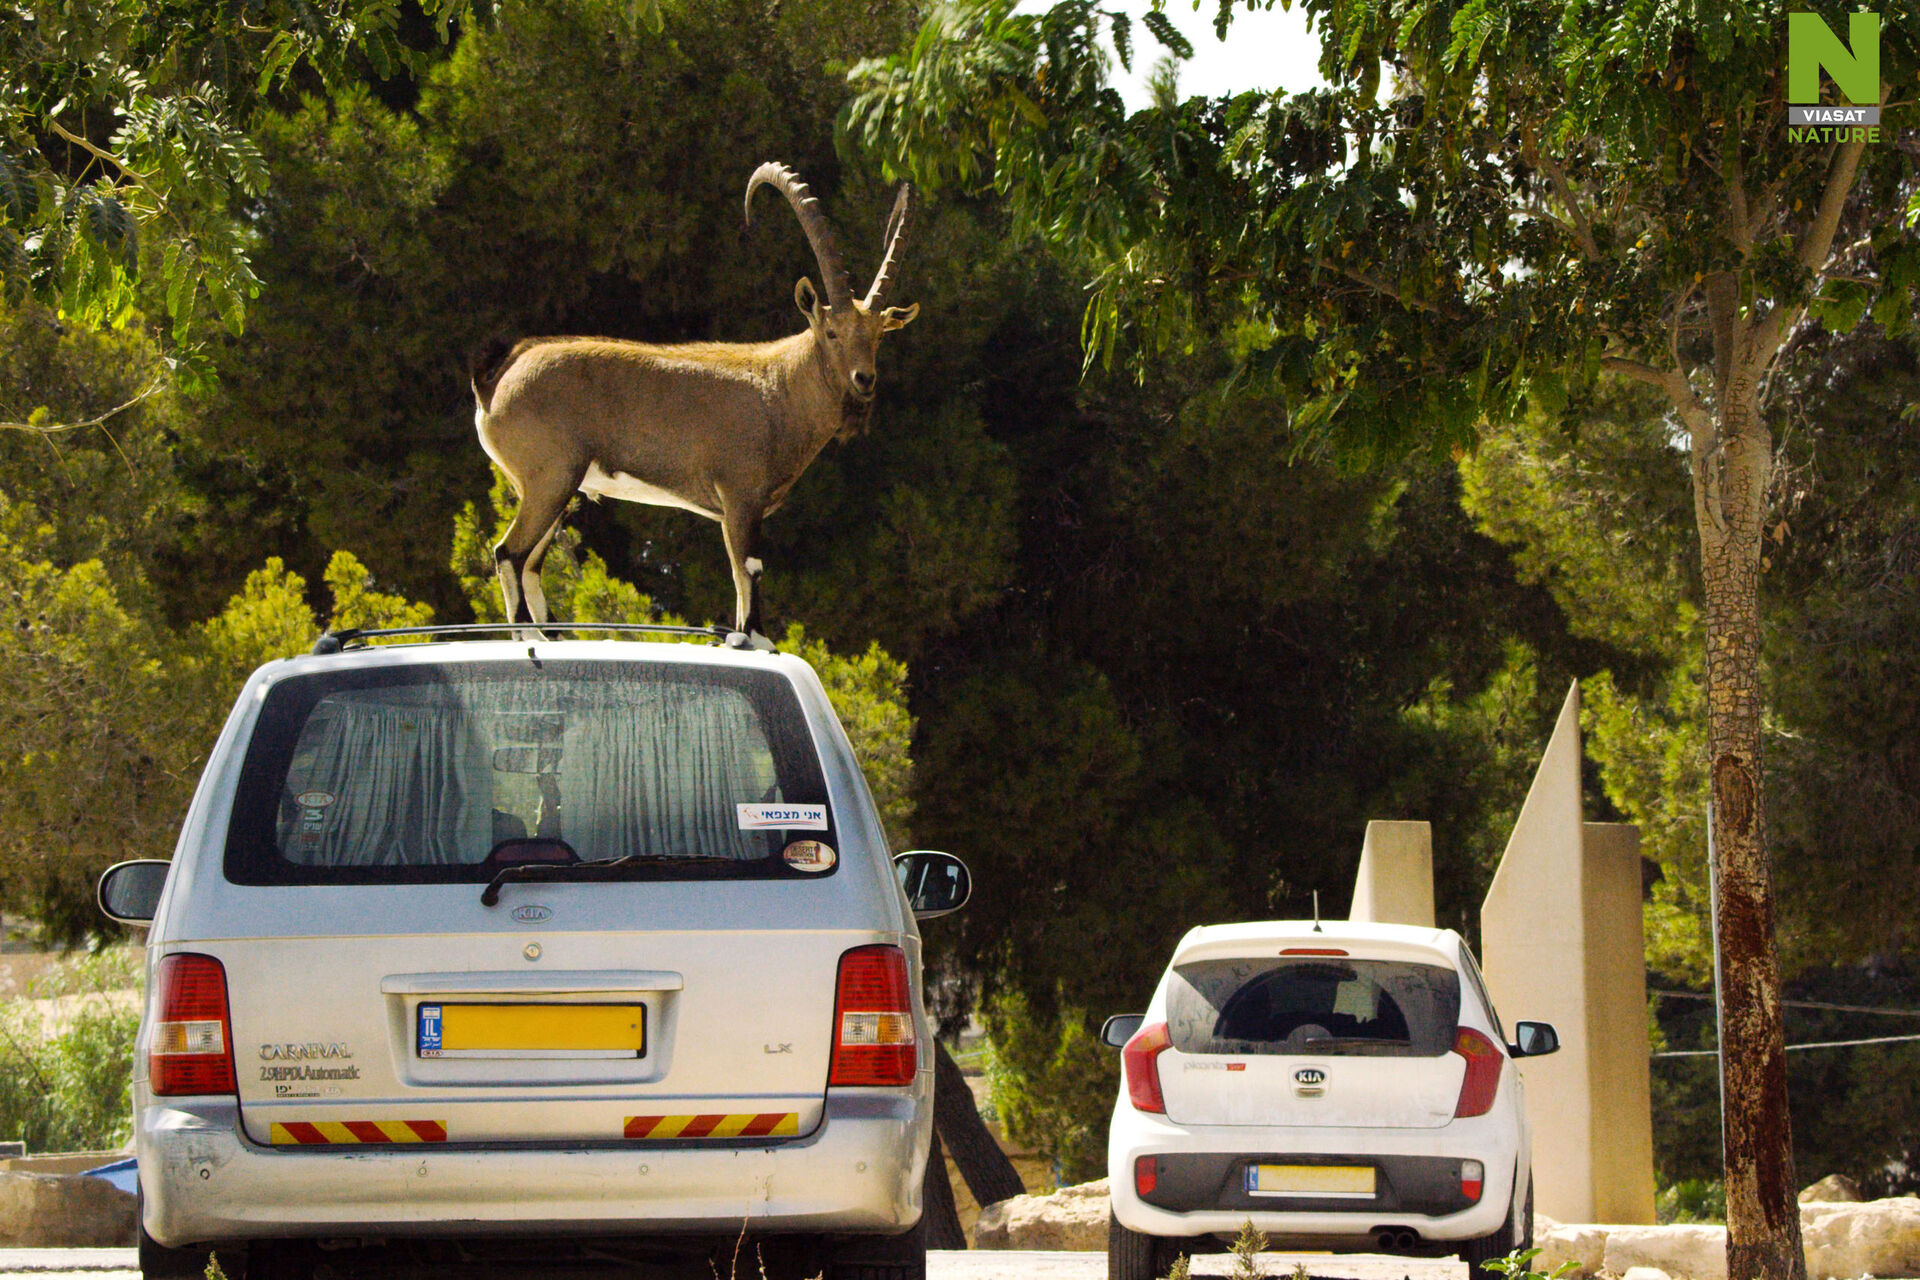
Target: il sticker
{"points": [[809, 855], [314, 799], [782, 817]]}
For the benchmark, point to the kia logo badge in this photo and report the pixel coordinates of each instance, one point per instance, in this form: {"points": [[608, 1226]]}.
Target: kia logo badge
{"points": [[1309, 1081], [531, 914]]}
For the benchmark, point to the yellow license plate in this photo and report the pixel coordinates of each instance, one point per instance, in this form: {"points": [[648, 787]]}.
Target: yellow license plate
{"points": [[531, 1030], [1311, 1180]]}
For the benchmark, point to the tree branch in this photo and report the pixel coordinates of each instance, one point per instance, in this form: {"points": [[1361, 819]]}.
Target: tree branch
{"points": [[1818, 242], [1563, 187], [59, 428], [1386, 290]]}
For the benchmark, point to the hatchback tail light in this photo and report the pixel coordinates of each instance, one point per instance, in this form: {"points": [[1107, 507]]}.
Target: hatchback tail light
{"points": [[873, 1020], [1141, 1061], [1482, 1080], [192, 1047]]}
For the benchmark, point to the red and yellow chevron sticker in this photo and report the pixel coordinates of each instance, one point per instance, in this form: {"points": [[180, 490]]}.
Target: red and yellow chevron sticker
{"points": [[323, 1133], [773, 1124]]}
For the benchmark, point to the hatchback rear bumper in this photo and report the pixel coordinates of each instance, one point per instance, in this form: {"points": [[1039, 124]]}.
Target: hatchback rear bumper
{"points": [[1204, 1192], [204, 1182]]}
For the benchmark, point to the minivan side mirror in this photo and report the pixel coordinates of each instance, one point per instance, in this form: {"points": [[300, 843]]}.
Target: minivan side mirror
{"points": [[935, 883], [1534, 1040], [130, 891], [1120, 1028]]}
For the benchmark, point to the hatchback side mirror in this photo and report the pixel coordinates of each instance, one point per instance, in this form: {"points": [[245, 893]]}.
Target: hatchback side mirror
{"points": [[1534, 1040], [1120, 1028], [130, 891], [935, 883]]}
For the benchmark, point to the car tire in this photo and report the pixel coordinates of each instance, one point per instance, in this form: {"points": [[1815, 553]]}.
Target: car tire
{"points": [[1134, 1255], [901, 1257], [276, 1260], [1515, 1233], [157, 1262]]}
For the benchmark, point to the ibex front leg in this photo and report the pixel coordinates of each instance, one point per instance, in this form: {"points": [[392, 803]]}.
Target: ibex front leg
{"points": [[741, 524]]}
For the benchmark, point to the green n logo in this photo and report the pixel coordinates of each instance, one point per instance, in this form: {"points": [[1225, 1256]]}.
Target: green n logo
{"points": [[1811, 46]]}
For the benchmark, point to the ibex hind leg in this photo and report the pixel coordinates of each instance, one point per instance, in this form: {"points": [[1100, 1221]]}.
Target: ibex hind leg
{"points": [[514, 555], [532, 582]]}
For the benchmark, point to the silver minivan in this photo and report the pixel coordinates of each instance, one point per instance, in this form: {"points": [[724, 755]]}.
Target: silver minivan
{"points": [[498, 948]]}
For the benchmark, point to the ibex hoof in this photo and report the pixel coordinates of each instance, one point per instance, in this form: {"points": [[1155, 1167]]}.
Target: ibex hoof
{"points": [[750, 640]]}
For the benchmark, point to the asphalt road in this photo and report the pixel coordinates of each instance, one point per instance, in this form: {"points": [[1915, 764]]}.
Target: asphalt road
{"points": [[120, 1264]]}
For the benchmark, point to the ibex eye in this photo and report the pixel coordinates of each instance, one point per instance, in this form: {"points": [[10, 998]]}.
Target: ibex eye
{"points": [[831, 335]]}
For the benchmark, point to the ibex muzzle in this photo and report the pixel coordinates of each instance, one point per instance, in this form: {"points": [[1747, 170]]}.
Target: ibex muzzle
{"points": [[723, 429]]}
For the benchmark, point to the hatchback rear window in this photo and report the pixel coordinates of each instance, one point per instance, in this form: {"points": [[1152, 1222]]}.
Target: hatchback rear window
{"points": [[1374, 1008], [424, 773]]}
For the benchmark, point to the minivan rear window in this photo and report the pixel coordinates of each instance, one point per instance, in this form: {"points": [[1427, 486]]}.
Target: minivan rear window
{"points": [[1318, 1006], [418, 774]]}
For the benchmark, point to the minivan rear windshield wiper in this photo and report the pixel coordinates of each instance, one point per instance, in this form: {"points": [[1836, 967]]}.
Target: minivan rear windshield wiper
{"points": [[597, 869]]}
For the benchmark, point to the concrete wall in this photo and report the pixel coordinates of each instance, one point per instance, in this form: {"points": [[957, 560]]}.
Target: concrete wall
{"points": [[1533, 943], [1561, 942], [1395, 881], [1618, 1070]]}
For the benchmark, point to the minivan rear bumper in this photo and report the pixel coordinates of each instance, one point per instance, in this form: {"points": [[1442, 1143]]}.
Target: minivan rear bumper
{"points": [[204, 1182]]}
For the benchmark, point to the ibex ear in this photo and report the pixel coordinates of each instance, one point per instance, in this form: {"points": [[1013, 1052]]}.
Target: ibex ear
{"points": [[806, 299], [898, 317]]}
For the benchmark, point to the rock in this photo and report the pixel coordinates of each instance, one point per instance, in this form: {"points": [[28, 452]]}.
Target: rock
{"points": [[1582, 1244], [1835, 1188], [1875, 1238], [1070, 1218], [63, 1211], [1686, 1252], [1645, 1273]]}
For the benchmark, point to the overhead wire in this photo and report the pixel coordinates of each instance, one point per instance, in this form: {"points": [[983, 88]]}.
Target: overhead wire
{"points": [[1822, 1005]]}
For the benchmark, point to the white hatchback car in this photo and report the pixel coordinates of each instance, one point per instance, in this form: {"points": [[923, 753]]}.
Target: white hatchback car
{"points": [[1342, 1086], [508, 948]]}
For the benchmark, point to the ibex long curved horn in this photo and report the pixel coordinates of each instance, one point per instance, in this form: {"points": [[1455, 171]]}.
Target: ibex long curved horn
{"points": [[896, 236], [826, 250]]}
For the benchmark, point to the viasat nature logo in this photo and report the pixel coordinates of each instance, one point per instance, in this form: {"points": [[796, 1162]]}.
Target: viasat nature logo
{"points": [[1853, 66]]}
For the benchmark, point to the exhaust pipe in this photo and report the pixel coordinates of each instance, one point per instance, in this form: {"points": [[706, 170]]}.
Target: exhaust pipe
{"points": [[1396, 1239]]}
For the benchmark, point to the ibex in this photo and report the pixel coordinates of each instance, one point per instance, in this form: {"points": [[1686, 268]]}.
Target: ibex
{"points": [[723, 429]]}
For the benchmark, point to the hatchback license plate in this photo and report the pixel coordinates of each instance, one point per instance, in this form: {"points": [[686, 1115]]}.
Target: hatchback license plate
{"points": [[531, 1030], [1319, 1181]]}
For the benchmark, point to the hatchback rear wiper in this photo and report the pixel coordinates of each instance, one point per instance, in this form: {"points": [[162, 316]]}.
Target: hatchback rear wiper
{"points": [[597, 869]]}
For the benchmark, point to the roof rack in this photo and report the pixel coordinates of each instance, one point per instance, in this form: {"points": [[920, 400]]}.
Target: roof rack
{"points": [[337, 641]]}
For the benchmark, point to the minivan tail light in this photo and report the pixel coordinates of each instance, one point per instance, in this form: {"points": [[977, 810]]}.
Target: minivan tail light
{"points": [[191, 1050], [1482, 1080], [873, 1040], [1141, 1061]]}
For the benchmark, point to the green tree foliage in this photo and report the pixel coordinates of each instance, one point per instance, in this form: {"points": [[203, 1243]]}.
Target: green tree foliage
{"points": [[1052, 1082], [126, 165]]}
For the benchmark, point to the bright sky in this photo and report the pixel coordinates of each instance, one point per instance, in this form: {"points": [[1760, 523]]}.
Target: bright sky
{"points": [[1264, 49]]}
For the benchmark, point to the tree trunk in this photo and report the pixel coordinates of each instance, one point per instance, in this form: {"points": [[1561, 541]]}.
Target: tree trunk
{"points": [[1763, 1217], [990, 1176], [936, 1202]]}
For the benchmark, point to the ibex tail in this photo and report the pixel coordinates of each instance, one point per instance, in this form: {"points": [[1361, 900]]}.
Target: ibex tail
{"points": [[488, 363]]}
